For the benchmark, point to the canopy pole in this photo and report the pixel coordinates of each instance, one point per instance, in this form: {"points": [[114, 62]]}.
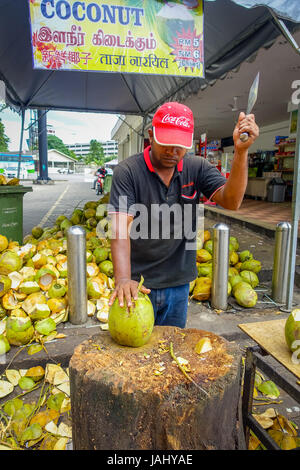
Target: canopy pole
{"points": [[21, 142], [285, 31], [295, 218]]}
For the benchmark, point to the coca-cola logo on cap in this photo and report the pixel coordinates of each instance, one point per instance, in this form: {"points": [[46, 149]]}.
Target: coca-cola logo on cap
{"points": [[181, 121]]}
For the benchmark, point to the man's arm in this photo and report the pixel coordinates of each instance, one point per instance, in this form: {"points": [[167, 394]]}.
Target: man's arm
{"points": [[125, 288], [231, 195]]}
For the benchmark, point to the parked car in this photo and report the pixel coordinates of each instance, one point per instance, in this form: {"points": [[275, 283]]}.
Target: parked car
{"points": [[63, 171]]}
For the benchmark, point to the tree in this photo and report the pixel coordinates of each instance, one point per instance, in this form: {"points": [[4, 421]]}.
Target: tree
{"points": [[96, 153], [4, 140], [55, 142]]}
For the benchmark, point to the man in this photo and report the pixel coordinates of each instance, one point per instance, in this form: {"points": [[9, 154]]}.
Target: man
{"points": [[163, 177], [102, 172]]}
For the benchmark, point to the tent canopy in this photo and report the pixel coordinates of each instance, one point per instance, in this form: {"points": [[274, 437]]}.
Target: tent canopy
{"points": [[232, 34]]}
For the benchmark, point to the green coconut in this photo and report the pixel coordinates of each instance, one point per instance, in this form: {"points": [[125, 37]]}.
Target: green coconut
{"points": [[101, 211], [19, 330], [106, 267], [56, 290], [204, 270], [89, 213], [29, 287], [292, 330], [59, 219], [250, 277], [40, 312], [37, 232], [203, 256], [251, 265], [91, 223], [65, 225], [4, 345], [5, 284], [245, 295], [91, 205], [245, 255], [235, 280], [232, 272], [233, 258], [101, 254], [133, 326], [234, 243], [208, 246], [9, 262], [45, 326]]}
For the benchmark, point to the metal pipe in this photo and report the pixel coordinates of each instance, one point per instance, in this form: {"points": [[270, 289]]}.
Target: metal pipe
{"points": [[220, 265], [77, 290], [295, 218], [281, 262]]}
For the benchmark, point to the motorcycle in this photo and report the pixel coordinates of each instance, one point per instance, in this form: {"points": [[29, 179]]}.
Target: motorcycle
{"points": [[99, 185]]}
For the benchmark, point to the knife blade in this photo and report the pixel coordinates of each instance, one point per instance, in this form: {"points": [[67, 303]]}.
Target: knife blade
{"points": [[251, 102]]}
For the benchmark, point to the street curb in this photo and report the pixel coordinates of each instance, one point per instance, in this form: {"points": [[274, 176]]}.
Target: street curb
{"points": [[259, 227]]}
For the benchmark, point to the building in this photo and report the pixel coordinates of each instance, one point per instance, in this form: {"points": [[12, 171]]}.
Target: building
{"points": [[110, 148]]}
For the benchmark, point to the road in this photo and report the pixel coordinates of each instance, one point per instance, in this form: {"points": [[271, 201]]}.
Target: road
{"points": [[47, 201]]}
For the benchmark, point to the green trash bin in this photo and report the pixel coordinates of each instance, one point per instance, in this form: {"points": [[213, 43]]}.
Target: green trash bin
{"points": [[11, 211]]}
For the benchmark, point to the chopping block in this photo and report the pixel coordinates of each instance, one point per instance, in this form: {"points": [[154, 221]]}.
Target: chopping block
{"points": [[160, 396]]}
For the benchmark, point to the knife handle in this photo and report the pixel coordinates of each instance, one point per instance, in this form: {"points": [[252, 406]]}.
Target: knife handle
{"points": [[244, 136]]}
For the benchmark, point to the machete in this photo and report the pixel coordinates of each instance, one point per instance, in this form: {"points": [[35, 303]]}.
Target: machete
{"points": [[251, 102]]}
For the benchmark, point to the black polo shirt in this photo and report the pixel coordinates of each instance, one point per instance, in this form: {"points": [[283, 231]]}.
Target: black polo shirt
{"points": [[164, 227]]}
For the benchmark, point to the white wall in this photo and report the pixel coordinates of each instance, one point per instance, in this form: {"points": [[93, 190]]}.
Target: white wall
{"points": [[266, 139]]}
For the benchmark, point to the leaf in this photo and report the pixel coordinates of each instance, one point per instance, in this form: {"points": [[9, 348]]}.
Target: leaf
{"points": [[61, 443], [282, 424], [35, 373], [65, 388], [51, 427], [13, 376], [55, 375], [44, 417], [34, 431], [284, 441], [269, 389], [64, 430], [264, 421], [254, 442], [55, 401], [11, 406], [5, 388], [34, 348], [26, 383]]}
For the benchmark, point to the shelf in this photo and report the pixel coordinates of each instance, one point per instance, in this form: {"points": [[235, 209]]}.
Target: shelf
{"points": [[287, 170], [284, 156]]}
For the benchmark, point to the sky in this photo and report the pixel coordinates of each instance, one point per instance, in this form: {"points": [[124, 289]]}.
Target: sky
{"points": [[71, 127]]}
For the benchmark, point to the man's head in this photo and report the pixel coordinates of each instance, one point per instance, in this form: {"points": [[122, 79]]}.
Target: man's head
{"points": [[171, 134]]}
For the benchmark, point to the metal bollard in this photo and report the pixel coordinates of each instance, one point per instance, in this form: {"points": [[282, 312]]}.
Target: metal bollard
{"points": [[281, 262], [220, 265], [77, 290]]}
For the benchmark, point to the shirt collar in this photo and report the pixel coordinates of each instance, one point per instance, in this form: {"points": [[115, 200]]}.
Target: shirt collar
{"points": [[149, 164]]}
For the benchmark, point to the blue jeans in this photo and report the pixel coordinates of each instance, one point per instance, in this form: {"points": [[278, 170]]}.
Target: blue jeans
{"points": [[170, 305]]}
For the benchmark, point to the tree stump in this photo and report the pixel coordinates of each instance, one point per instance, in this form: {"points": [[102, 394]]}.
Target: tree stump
{"points": [[126, 398]]}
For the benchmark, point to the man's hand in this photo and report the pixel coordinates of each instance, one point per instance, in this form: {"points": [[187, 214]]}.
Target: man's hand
{"points": [[245, 124], [126, 290]]}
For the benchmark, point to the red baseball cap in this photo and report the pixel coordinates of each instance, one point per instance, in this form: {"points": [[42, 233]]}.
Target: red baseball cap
{"points": [[173, 124]]}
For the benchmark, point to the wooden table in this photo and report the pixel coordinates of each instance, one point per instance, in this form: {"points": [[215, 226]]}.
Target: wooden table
{"points": [[269, 336]]}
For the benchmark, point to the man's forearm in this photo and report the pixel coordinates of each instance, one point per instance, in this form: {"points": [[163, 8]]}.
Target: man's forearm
{"points": [[231, 195], [120, 251]]}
